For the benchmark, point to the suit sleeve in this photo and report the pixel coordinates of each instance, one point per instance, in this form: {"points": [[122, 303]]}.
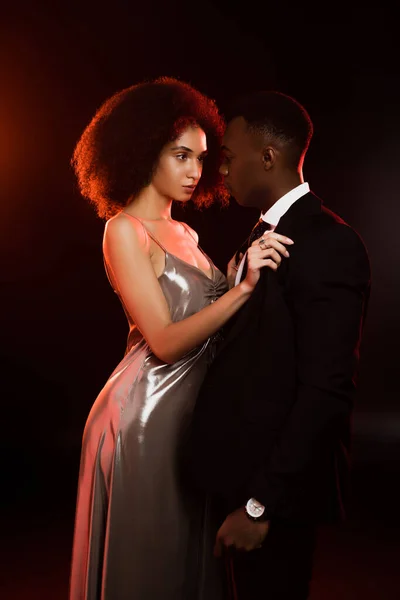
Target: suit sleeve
{"points": [[328, 289]]}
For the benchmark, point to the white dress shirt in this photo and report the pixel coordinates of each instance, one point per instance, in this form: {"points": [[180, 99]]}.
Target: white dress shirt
{"points": [[275, 213]]}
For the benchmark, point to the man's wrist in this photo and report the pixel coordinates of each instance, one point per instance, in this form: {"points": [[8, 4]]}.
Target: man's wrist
{"points": [[255, 511]]}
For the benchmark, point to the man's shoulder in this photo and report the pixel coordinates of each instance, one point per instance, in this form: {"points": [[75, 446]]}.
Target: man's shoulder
{"points": [[331, 217], [325, 241], [331, 228]]}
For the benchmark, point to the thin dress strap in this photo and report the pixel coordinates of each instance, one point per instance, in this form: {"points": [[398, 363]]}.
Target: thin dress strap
{"points": [[147, 232], [192, 236], [188, 230]]}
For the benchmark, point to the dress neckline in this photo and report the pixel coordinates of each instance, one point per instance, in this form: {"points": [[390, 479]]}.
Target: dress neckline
{"points": [[209, 276]]}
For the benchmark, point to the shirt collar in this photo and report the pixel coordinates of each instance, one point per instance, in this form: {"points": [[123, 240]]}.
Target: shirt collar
{"points": [[281, 206]]}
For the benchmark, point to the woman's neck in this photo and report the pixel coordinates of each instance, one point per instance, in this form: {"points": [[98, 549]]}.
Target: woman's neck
{"points": [[150, 206]]}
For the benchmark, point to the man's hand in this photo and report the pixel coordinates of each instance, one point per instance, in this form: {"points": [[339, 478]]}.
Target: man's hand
{"points": [[240, 532]]}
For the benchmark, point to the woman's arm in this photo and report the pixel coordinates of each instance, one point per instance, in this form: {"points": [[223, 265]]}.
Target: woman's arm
{"points": [[126, 250]]}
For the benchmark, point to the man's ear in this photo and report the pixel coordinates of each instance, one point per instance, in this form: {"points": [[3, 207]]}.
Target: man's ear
{"points": [[269, 156]]}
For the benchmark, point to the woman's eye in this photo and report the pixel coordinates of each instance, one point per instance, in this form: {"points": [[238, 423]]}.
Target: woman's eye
{"points": [[181, 156]]}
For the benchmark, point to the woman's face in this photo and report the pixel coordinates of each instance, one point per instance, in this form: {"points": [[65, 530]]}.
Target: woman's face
{"points": [[180, 165]]}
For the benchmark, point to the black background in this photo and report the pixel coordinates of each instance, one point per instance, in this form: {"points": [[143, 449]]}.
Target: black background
{"points": [[62, 329]]}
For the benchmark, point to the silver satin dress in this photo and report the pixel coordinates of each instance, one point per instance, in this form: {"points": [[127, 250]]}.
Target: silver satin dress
{"points": [[140, 533]]}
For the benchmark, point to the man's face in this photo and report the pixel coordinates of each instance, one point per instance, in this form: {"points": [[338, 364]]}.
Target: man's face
{"points": [[242, 165]]}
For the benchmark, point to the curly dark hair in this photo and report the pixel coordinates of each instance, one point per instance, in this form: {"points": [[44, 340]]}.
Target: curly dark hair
{"points": [[118, 152]]}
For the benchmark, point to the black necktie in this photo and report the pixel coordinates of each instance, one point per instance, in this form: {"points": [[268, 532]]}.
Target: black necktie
{"points": [[260, 227]]}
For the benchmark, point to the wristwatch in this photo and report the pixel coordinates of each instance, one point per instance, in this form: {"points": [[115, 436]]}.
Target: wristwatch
{"points": [[255, 510]]}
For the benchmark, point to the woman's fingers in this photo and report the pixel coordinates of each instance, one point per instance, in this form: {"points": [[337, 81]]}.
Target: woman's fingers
{"points": [[273, 240], [275, 236], [258, 258], [258, 263], [235, 260], [270, 252], [268, 262], [277, 245]]}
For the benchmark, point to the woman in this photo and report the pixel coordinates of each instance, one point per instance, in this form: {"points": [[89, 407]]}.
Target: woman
{"points": [[139, 533]]}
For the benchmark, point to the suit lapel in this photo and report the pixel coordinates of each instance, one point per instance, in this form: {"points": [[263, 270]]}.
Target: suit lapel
{"points": [[292, 220], [299, 212]]}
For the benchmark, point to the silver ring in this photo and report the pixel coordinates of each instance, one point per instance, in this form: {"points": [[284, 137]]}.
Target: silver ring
{"points": [[262, 244]]}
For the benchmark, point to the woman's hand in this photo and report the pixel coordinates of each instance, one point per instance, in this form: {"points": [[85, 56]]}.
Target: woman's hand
{"points": [[267, 251], [232, 269]]}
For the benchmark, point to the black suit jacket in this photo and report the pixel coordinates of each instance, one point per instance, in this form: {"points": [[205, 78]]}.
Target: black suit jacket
{"points": [[273, 417]]}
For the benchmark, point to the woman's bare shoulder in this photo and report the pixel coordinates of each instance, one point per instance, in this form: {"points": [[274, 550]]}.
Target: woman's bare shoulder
{"points": [[123, 228]]}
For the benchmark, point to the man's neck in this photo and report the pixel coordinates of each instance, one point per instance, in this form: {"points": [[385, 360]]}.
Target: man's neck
{"points": [[280, 190]]}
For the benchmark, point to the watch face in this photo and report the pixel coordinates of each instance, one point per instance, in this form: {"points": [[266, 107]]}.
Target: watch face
{"points": [[254, 508]]}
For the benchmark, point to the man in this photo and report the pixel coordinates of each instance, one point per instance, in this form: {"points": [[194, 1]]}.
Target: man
{"points": [[271, 428]]}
